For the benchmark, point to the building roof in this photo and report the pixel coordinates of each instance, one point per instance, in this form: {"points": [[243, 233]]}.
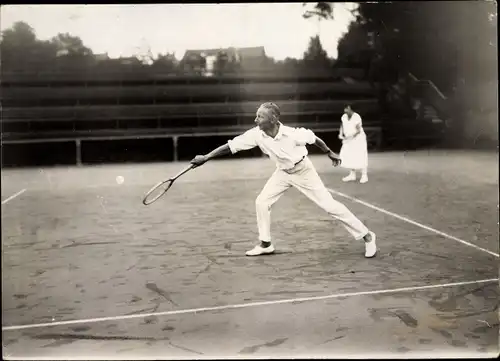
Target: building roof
{"points": [[257, 51], [103, 56], [251, 52]]}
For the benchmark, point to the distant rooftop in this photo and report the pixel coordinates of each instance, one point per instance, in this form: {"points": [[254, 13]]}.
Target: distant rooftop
{"points": [[251, 52], [103, 56]]}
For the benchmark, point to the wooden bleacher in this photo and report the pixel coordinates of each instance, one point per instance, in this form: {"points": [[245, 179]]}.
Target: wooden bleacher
{"points": [[150, 75], [71, 95], [79, 108]]}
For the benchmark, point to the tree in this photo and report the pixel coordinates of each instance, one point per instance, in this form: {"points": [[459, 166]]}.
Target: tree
{"points": [[70, 52], [20, 34], [165, 63], [287, 65], [315, 56], [67, 44], [320, 11], [355, 47], [430, 40], [21, 50], [194, 63], [18, 44], [427, 38]]}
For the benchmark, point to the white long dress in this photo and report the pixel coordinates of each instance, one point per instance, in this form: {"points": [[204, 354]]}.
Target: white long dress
{"points": [[354, 152]]}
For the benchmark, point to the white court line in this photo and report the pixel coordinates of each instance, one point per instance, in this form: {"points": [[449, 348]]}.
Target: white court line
{"points": [[14, 196], [243, 305], [402, 218]]}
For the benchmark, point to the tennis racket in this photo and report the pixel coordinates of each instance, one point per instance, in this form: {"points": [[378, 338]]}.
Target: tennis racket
{"points": [[162, 187]]}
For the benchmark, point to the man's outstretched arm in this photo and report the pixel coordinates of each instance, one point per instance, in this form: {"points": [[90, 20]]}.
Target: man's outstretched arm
{"points": [[322, 145], [241, 142], [217, 152]]}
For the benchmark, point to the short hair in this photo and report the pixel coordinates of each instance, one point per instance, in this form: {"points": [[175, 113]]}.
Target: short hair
{"points": [[275, 109]]}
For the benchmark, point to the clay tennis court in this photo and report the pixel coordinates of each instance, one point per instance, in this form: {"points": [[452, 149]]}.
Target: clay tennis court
{"points": [[171, 280]]}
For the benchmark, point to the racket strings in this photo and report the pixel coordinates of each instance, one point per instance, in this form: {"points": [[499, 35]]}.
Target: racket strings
{"points": [[161, 188], [157, 191]]}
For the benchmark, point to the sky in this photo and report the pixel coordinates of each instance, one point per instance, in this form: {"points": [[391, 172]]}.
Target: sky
{"points": [[128, 30]]}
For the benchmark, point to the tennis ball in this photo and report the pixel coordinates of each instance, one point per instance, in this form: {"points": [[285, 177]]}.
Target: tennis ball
{"points": [[120, 179]]}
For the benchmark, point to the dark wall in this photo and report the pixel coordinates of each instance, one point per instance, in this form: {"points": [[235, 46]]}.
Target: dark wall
{"points": [[128, 151], [39, 154]]}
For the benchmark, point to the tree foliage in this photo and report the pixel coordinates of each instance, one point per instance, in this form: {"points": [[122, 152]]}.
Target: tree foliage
{"points": [[354, 47], [70, 45], [165, 62], [22, 50], [447, 42], [320, 10], [315, 56], [452, 44]]}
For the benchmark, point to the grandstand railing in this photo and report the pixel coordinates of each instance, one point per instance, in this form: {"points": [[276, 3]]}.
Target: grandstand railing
{"points": [[430, 94], [373, 132], [117, 112]]}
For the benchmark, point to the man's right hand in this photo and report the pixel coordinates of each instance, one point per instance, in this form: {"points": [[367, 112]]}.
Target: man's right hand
{"points": [[335, 158], [199, 160]]}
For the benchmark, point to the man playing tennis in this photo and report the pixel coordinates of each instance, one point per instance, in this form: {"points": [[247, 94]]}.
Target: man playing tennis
{"points": [[286, 146]]}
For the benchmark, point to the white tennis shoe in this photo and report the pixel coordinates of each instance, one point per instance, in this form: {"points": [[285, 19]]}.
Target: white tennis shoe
{"points": [[364, 179], [259, 250], [371, 246], [349, 178]]}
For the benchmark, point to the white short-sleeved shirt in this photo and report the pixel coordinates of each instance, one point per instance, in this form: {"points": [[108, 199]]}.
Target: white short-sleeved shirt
{"points": [[286, 149], [349, 125]]}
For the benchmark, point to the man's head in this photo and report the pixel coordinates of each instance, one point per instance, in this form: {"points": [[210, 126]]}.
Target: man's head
{"points": [[348, 110], [267, 116]]}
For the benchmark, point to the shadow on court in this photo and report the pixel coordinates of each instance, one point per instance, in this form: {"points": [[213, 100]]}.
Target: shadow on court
{"points": [[78, 246]]}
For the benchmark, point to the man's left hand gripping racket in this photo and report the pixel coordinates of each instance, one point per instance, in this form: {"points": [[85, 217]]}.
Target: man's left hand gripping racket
{"points": [[161, 188]]}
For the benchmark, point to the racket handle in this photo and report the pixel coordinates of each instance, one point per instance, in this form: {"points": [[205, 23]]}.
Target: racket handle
{"points": [[187, 169]]}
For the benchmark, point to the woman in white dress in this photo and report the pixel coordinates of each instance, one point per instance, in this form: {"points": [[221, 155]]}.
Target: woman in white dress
{"points": [[354, 152]]}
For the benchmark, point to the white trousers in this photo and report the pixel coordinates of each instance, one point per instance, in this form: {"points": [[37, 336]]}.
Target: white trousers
{"points": [[304, 178]]}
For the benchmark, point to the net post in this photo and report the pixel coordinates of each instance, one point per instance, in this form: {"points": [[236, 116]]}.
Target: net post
{"points": [[78, 152], [175, 141]]}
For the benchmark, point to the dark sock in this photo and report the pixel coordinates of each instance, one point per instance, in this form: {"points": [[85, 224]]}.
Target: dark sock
{"points": [[368, 237], [265, 244]]}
